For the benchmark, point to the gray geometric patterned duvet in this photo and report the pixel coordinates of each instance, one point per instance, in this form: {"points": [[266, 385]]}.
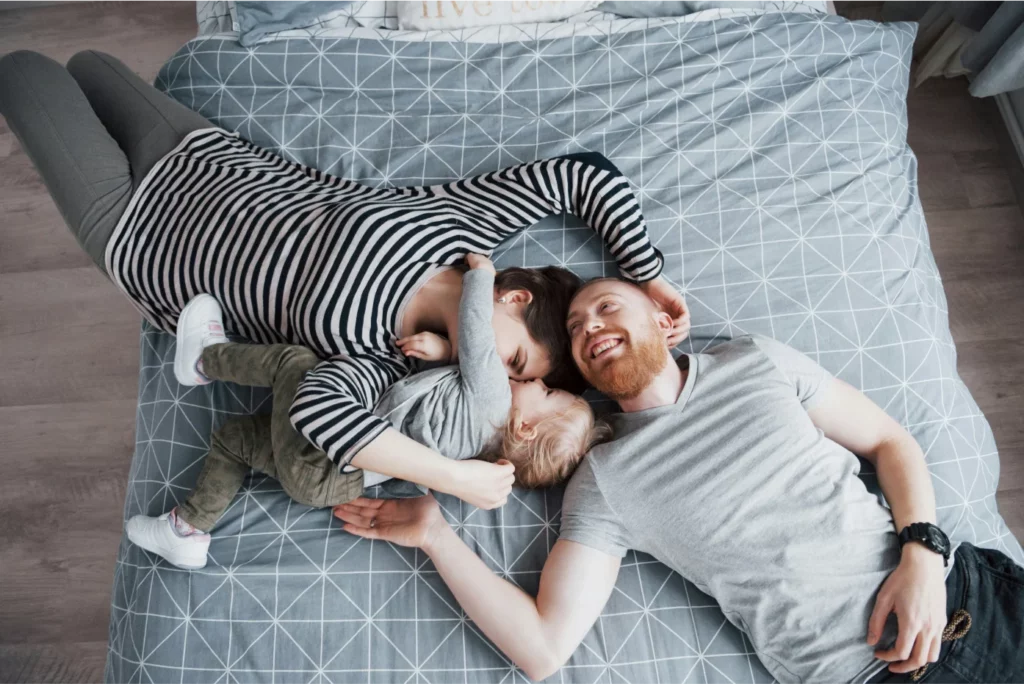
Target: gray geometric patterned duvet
{"points": [[770, 157]]}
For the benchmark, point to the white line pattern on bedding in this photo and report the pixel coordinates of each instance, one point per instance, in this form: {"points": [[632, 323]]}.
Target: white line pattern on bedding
{"points": [[769, 155]]}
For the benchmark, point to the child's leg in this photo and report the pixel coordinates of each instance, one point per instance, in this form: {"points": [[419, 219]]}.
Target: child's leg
{"points": [[241, 443], [258, 365], [304, 471]]}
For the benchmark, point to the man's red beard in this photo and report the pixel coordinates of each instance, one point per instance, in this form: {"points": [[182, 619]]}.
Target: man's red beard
{"points": [[628, 375]]}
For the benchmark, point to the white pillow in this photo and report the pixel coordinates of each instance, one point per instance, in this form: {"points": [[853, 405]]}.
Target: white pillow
{"points": [[429, 15]]}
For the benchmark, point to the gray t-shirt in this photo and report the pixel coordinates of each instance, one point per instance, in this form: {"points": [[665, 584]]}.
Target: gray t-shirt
{"points": [[457, 410], [735, 489]]}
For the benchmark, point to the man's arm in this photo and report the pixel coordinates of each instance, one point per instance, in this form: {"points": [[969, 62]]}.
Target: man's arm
{"points": [[537, 634], [916, 590]]}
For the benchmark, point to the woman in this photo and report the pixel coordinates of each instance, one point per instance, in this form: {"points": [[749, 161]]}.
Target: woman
{"points": [[170, 206]]}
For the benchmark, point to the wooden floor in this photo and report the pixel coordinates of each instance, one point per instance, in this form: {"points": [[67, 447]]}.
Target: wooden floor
{"points": [[69, 351]]}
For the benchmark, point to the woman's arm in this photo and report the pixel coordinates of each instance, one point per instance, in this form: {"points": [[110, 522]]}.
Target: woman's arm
{"points": [[481, 484], [496, 205], [331, 411]]}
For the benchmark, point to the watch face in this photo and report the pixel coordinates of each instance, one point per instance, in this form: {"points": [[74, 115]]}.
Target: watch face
{"points": [[938, 539]]}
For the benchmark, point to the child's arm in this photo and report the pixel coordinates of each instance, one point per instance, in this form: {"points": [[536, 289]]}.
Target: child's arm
{"points": [[427, 346], [484, 376]]}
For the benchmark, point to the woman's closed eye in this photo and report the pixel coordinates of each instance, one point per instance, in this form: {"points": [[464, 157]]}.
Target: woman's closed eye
{"points": [[518, 363]]}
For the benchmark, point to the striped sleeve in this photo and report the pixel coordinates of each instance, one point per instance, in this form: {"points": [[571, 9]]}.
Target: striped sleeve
{"points": [[334, 402], [586, 184]]}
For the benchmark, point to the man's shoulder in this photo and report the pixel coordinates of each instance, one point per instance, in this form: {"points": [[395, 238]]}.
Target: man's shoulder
{"points": [[737, 345]]}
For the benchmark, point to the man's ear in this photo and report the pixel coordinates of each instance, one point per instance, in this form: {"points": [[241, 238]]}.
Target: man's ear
{"points": [[663, 321]]}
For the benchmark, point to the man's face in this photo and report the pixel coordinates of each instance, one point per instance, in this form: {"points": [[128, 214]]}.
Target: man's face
{"points": [[618, 337]]}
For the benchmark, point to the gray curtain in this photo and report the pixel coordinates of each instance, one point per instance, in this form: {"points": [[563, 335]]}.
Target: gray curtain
{"points": [[995, 55]]}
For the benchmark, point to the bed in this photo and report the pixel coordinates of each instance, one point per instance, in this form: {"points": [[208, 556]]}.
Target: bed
{"points": [[768, 148]]}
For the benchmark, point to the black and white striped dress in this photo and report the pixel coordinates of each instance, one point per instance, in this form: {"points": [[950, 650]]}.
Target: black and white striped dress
{"points": [[298, 256]]}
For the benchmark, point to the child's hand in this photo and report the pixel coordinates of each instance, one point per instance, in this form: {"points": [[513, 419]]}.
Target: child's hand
{"points": [[479, 261], [482, 484], [426, 346]]}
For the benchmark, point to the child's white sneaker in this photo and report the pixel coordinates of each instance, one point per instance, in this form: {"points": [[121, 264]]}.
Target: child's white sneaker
{"points": [[157, 535], [199, 325]]}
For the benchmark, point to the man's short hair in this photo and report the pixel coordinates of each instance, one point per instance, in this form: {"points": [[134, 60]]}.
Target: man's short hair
{"points": [[605, 279]]}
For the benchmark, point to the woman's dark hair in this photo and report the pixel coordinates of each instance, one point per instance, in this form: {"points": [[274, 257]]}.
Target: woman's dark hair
{"points": [[553, 289]]}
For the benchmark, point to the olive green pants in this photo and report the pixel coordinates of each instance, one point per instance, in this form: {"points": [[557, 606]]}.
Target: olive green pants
{"points": [[266, 443]]}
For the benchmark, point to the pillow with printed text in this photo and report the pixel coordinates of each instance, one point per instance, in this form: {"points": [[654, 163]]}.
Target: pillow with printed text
{"points": [[429, 15]]}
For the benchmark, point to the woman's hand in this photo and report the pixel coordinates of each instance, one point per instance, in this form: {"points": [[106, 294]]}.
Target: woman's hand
{"points": [[427, 346], [407, 522], [482, 484], [672, 303], [479, 262]]}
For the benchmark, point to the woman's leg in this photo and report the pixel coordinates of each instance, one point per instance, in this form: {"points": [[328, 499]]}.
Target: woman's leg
{"points": [[85, 170], [145, 123]]}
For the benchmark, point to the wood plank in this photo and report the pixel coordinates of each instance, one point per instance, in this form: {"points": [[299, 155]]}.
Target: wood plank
{"points": [[943, 188], [1011, 506], [61, 501], [945, 118], [76, 661], [987, 309], [965, 242], [985, 178], [141, 34], [66, 335]]}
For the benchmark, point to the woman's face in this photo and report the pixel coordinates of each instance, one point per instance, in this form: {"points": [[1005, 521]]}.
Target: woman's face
{"points": [[524, 357]]}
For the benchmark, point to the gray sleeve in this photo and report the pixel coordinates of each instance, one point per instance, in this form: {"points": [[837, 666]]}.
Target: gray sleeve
{"points": [[484, 377], [808, 378], [587, 518]]}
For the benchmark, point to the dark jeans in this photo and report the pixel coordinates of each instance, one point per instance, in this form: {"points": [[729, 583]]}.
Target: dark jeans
{"points": [[266, 443], [93, 131], [990, 587]]}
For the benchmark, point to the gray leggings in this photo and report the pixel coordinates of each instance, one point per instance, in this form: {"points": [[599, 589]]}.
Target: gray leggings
{"points": [[93, 131]]}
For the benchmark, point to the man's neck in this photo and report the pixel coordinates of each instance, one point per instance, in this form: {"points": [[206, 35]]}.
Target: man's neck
{"points": [[663, 390], [435, 306]]}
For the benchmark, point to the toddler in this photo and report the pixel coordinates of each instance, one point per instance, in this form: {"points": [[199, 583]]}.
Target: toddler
{"points": [[462, 411]]}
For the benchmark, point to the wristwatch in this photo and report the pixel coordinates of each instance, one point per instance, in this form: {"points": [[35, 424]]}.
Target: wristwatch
{"points": [[928, 535]]}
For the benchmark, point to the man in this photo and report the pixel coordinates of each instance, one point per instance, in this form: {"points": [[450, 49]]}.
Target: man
{"points": [[735, 469]]}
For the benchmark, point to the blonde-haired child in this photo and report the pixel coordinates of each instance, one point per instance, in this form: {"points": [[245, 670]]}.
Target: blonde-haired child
{"points": [[546, 451], [461, 411], [475, 410]]}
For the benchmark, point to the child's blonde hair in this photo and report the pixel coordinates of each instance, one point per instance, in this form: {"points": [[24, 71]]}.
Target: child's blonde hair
{"points": [[551, 455]]}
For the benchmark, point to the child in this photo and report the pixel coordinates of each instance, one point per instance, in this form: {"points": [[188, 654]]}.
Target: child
{"points": [[459, 411]]}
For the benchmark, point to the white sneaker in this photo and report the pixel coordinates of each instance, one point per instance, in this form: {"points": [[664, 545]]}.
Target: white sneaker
{"points": [[199, 325], [157, 535]]}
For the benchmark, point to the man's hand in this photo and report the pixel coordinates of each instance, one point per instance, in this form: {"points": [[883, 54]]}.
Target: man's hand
{"points": [[916, 592], [482, 484], [407, 522], [672, 303], [426, 346], [479, 262]]}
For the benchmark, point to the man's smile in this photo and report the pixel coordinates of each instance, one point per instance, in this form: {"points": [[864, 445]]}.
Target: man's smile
{"points": [[602, 345]]}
